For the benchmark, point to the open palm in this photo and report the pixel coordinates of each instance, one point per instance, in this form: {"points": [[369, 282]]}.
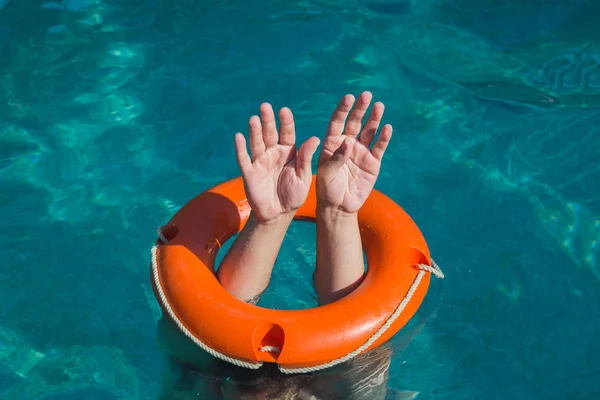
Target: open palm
{"points": [[348, 166], [277, 178]]}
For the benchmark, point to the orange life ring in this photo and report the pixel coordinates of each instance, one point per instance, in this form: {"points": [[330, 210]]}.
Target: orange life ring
{"points": [[185, 285]]}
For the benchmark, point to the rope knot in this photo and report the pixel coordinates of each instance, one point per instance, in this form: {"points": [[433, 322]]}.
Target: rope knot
{"points": [[161, 236], [434, 269]]}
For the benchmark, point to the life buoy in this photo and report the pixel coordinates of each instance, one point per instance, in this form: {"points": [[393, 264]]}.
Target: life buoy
{"points": [[184, 282]]}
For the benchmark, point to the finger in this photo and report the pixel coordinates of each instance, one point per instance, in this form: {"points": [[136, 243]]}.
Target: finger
{"points": [[357, 115], [382, 142], [370, 129], [304, 159], [338, 118], [269, 126], [287, 128], [241, 153], [257, 145]]}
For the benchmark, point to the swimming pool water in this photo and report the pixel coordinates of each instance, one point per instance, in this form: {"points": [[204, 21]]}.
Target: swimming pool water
{"points": [[115, 113]]}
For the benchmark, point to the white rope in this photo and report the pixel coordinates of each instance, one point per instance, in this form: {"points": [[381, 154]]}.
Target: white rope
{"points": [[270, 349], [434, 269]]}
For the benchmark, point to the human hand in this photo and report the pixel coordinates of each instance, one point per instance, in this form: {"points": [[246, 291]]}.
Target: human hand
{"points": [[348, 167], [277, 177]]}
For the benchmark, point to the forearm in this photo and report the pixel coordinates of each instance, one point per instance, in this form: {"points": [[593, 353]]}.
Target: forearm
{"points": [[246, 269], [340, 265]]}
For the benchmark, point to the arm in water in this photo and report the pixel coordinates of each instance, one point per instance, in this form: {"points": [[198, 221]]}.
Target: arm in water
{"points": [[277, 179], [348, 169], [349, 165]]}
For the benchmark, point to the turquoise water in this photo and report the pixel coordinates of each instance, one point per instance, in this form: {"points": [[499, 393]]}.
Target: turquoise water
{"points": [[113, 114]]}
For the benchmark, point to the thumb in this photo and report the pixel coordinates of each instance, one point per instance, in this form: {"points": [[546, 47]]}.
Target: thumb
{"points": [[340, 156], [304, 159], [241, 153]]}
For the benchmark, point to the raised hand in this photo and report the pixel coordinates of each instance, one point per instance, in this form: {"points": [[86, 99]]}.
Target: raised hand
{"points": [[348, 165], [278, 176]]}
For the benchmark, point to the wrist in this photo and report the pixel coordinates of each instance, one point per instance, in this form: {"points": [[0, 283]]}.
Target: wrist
{"points": [[283, 219], [334, 213]]}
